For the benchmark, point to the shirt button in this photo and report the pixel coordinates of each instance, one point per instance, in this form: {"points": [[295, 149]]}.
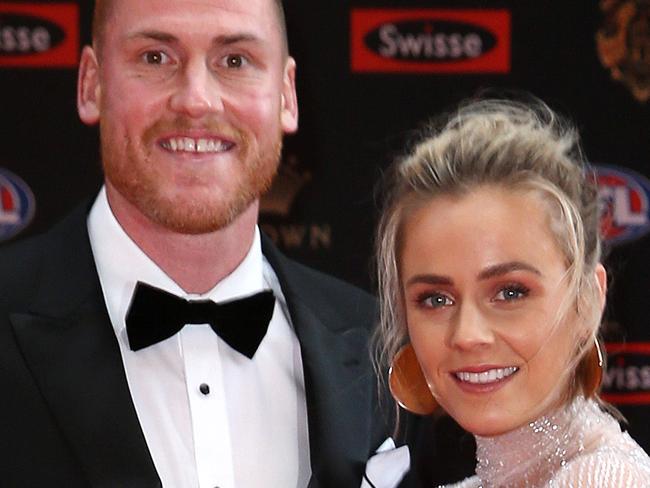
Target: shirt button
{"points": [[205, 389]]}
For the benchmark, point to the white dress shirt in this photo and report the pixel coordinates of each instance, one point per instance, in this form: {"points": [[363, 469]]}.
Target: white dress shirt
{"points": [[387, 467], [250, 430]]}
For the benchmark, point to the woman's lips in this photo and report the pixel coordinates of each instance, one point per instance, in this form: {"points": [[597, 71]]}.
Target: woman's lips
{"points": [[483, 378]]}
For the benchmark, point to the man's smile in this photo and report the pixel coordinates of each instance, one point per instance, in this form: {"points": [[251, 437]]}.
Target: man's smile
{"points": [[196, 145]]}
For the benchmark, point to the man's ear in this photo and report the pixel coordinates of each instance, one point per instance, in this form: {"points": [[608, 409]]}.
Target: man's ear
{"points": [[601, 280], [289, 99], [88, 87]]}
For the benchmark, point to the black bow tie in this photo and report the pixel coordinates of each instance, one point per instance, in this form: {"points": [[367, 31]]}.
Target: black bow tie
{"points": [[155, 315]]}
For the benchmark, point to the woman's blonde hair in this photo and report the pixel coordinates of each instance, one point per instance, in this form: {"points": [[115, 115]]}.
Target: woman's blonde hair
{"points": [[512, 145]]}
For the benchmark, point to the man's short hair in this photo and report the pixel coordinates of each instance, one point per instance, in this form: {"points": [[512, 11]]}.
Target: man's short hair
{"points": [[103, 7]]}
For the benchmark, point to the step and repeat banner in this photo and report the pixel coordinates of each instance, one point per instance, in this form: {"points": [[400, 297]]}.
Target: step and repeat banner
{"points": [[369, 74]]}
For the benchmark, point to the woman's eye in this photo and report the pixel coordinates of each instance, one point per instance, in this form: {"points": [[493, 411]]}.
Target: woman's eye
{"points": [[436, 300], [235, 61], [511, 293], [155, 57]]}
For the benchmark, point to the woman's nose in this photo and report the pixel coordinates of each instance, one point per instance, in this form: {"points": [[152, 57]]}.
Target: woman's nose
{"points": [[470, 328]]}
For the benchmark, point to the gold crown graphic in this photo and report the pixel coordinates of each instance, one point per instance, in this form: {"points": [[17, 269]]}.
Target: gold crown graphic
{"points": [[623, 43], [279, 199]]}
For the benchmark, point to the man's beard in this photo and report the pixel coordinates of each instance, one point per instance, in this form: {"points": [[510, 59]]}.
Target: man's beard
{"points": [[137, 178]]}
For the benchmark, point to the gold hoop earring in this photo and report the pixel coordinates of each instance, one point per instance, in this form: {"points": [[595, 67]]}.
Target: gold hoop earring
{"points": [[408, 385], [595, 365]]}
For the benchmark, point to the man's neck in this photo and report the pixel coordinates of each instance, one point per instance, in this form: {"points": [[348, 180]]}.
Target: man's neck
{"points": [[196, 262]]}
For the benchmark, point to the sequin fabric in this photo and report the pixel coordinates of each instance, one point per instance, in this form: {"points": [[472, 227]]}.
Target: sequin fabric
{"points": [[579, 446]]}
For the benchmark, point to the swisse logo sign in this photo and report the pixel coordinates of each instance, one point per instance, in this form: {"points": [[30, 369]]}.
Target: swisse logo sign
{"points": [[39, 35], [430, 41], [627, 379], [625, 201], [433, 41]]}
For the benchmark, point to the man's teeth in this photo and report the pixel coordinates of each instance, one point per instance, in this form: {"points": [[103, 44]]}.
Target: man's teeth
{"points": [[188, 144], [486, 376]]}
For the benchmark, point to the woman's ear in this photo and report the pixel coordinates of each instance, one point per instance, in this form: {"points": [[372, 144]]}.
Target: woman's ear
{"points": [[88, 87], [601, 281]]}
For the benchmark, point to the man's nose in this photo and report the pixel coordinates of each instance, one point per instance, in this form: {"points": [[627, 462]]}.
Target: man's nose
{"points": [[470, 328], [197, 93]]}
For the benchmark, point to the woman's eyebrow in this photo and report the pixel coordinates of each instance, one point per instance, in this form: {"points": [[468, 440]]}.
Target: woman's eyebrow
{"points": [[505, 268], [430, 279]]}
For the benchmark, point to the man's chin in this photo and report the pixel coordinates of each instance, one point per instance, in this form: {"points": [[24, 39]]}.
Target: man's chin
{"points": [[197, 217]]}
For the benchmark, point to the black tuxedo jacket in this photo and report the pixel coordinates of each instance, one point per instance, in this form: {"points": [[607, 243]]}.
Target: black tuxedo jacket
{"points": [[66, 412]]}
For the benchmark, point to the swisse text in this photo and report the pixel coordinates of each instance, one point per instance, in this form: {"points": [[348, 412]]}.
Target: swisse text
{"points": [[429, 41], [23, 40], [628, 378], [20, 35]]}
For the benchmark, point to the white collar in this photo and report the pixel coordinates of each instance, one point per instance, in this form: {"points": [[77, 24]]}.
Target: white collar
{"points": [[121, 264]]}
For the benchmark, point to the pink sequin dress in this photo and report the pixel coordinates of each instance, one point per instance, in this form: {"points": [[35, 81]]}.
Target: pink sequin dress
{"points": [[579, 446]]}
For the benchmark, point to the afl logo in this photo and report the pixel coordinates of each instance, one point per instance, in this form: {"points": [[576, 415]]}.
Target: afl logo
{"points": [[17, 205], [625, 200], [442, 41]]}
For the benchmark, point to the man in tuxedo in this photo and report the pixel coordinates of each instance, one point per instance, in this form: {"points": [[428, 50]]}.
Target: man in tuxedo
{"points": [[112, 373]]}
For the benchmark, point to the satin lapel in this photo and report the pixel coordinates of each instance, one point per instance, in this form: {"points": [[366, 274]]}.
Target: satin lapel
{"points": [[338, 389], [338, 379], [71, 350], [313, 482]]}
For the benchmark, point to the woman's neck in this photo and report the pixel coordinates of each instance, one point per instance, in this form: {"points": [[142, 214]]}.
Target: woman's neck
{"points": [[530, 455]]}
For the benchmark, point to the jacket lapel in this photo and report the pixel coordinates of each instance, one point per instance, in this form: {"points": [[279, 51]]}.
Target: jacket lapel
{"points": [[71, 350], [338, 379]]}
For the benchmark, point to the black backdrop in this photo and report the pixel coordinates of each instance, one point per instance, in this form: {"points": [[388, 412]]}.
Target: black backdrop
{"points": [[369, 73]]}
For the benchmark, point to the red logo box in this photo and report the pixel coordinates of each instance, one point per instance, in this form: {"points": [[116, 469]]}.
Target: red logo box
{"points": [[39, 35], [430, 41], [627, 378]]}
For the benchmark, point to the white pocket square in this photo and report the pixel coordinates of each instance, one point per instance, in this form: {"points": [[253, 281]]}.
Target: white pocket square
{"points": [[387, 467]]}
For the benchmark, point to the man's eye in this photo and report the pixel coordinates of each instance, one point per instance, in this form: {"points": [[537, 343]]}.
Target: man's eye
{"points": [[437, 300], [155, 57], [235, 61], [511, 293]]}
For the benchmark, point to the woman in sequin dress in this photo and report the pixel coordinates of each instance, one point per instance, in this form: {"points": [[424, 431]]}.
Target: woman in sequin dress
{"points": [[492, 292]]}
